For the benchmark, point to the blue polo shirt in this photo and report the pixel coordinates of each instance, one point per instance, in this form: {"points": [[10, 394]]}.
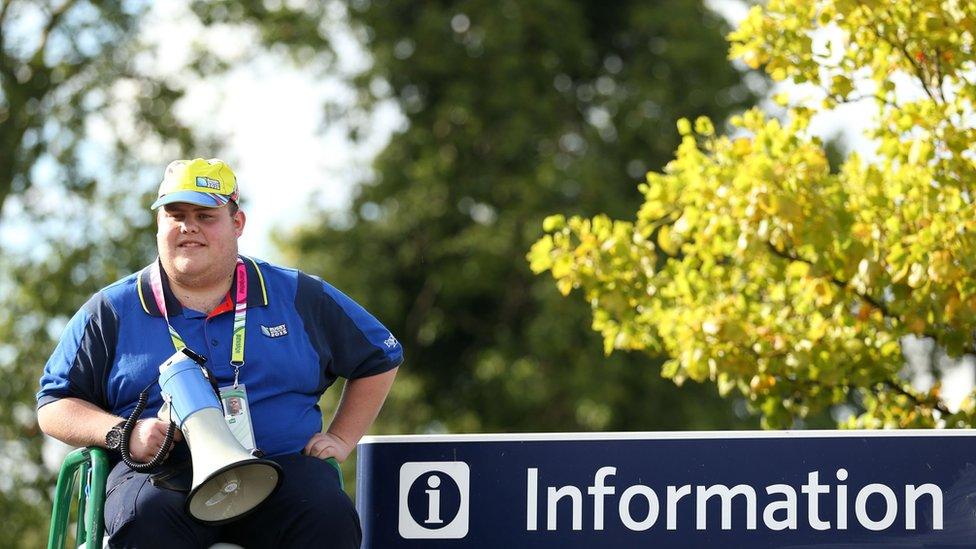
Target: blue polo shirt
{"points": [[301, 335]]}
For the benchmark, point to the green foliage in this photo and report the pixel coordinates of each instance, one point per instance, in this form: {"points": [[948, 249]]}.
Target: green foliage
{"points": [[73, 205], [782, 280], [60, 67], [38, 299], [514, 109]]}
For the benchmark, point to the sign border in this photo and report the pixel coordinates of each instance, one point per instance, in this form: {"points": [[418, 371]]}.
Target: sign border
{"points": [[664, 435]]}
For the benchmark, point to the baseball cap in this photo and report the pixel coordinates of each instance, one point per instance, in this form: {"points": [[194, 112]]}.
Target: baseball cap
{"points": [[210, 183]]}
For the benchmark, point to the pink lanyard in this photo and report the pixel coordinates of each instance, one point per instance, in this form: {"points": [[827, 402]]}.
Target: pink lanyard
{"points": [[240, 314]]}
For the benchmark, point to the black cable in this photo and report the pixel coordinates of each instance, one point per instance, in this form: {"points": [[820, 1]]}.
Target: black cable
{"points": [[130, 424]]}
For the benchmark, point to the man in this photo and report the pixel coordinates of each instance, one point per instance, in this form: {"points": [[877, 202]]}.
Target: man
{"points": [[233, 406], [299, 335]]}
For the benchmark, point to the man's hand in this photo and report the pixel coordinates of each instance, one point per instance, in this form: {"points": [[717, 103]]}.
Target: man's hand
{"points": [[147, 438], [326, 445]]}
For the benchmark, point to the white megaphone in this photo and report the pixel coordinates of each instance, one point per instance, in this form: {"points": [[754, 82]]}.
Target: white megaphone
{"points": [[228, 481]]}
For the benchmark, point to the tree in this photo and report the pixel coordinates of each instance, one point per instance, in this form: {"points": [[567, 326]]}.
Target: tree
{"points": [[86, 123], [513, 109], [780, 280], [62, 70]]}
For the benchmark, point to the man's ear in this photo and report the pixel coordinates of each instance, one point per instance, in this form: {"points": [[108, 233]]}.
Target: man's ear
{"points": [[239, 221]]}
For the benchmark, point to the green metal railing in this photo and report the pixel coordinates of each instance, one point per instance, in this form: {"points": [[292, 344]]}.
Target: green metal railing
{"points": [[88, 468]]}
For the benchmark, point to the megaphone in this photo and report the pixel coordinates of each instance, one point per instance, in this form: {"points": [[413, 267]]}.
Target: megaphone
{"points": [[228, 482]]}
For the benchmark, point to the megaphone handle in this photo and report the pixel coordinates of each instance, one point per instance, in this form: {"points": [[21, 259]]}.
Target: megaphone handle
{"points": [[130, 424]]}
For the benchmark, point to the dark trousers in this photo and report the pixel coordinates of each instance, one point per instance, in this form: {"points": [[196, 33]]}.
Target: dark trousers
{"points": [[308, 510]]}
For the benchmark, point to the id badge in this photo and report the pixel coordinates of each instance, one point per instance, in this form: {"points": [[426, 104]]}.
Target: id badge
{"points": [[237, 414]]}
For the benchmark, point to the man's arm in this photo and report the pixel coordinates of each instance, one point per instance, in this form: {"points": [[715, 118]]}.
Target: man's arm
{"points": [[361, 401], [76, 422], [80, 423]]}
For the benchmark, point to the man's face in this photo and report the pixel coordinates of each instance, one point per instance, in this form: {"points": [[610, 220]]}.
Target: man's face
{"points": [[196, 243]]}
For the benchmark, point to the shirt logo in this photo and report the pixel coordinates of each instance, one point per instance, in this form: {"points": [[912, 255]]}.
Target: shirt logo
{"points": [[390, 342], [208, 183], [274, 331]]}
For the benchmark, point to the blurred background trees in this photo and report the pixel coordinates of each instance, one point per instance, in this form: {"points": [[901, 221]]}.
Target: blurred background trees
{"points": [[795, 285], [512, 111], [73, 213]]}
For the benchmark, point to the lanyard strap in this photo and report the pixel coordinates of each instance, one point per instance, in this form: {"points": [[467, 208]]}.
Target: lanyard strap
{"points": [[240, 314]]}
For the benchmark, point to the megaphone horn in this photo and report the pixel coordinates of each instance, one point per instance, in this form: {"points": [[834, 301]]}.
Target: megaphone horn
{"points": [[228, 482]]}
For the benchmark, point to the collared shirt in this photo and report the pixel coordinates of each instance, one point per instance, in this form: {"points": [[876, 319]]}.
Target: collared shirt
{"points": [[302, 334]]}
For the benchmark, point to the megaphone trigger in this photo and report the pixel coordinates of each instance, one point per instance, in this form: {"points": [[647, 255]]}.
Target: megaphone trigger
{"points": [[165, 412]]}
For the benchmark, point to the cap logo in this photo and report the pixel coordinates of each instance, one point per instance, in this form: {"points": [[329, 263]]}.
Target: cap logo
{"points": [[208, 183]]}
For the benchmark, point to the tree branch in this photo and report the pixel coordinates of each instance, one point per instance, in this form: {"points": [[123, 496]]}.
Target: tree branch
{"points": [[842, 284], [3, 16], [5, 66], [940, 77], [845, 286], [937, 405], [917, 67], [52, 23]]}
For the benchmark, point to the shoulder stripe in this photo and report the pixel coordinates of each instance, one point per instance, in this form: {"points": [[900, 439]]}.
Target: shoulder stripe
{"points": [[264, 290], [142, 298]]}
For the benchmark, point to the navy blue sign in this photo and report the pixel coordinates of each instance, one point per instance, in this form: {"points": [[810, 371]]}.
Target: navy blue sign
{"points": [[838, 489]]}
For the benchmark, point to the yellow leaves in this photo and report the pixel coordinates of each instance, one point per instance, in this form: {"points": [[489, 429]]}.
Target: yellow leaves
{"points": [[942, 268], [553, 223], [694, 365], [668, 241], [762, 383], [841, 85], [818, 327], [775, 277], [824, 292], [931, 22], [565, 285], [539, 255], [652, 210], [891, 349], [704, 127], [920, 152], [864, 311], [562, 267], [741, 146], [953, 303], [862, 231], [744, 41], [915, 324], [798, 269], [784, 207]]}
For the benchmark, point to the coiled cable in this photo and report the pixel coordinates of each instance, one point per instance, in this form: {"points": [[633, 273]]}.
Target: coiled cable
{"points": [[130, 424]]}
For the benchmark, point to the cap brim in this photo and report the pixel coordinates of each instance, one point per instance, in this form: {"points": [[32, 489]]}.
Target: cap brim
{"points": [[190, 197]]}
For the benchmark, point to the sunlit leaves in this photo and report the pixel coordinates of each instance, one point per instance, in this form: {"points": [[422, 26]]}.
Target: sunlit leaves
{"points": [[755, 267]]}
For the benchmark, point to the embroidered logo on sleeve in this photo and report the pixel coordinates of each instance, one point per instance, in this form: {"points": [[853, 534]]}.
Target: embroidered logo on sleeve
{"points": [[274, 331], [390, 342]]}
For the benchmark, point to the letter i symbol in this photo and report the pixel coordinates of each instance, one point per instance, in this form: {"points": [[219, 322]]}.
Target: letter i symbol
{"points": [[433, 501]]}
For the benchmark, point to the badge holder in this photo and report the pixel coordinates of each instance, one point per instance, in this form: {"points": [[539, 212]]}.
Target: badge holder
{"points": [[237, 414]]}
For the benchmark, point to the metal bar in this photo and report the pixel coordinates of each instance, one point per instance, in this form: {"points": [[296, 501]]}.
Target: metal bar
{"points": [[83, 479], [61, 506], [333, 462], [96, 503]]}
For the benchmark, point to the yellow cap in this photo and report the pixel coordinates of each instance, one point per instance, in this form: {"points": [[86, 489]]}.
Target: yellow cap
{"points": [[210, 183]]}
